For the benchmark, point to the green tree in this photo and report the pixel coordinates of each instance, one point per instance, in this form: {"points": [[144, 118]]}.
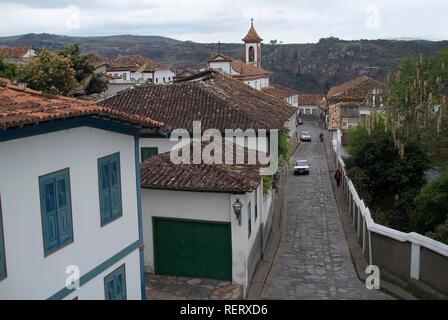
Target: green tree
{"points": [[416, 103], [7, 70], [97, 84], [283, 144], [388, 180], [431, 205], [80, 62], [49, 72]]}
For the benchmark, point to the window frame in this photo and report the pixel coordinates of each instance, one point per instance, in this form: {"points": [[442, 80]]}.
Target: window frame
{"points": [[41, 180], [105, 221], [3, 268], [114, 273], [141, 152]]}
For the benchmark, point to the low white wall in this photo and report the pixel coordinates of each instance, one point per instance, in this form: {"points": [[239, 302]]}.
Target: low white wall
{"points": [[160, 74]]}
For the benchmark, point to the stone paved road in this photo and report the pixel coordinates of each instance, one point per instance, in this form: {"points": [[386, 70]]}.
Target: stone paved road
{"points": [[313, 260]]}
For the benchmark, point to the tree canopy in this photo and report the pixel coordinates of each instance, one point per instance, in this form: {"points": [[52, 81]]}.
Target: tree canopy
{"points": [[49, 72]]}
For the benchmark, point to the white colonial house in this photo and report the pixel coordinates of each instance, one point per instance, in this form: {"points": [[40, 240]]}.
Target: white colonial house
{"points": [[17, 55], [128, 71], [204, 221], [69, 199], [310, 104]]}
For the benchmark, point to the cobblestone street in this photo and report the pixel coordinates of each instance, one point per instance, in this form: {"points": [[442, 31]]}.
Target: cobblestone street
{"points": [[313, 260]]}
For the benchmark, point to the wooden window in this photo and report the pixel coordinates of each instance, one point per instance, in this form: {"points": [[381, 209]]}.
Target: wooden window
{"points": [[109, 180], [149, 152], [55, 202], [2, 248], [115, 284]]}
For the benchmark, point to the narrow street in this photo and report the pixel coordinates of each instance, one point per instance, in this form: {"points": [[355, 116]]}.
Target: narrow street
{"points": [[313, 260]]}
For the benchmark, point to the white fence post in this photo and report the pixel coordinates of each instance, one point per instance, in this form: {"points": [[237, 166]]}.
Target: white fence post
{"points": [[415, 261]]}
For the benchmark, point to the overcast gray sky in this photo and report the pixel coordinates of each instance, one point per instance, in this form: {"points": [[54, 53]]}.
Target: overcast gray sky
{"points": [[290, 21]]}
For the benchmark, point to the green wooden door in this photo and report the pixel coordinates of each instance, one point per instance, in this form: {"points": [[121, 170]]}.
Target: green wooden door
{"points": [[192, 249]]}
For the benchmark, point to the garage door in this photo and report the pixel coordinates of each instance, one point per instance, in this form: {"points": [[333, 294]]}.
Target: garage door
{"points": [[192, 249]]}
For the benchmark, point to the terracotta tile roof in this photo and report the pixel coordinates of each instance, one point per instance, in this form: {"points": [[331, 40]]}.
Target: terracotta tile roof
{"points": [[218, 57], [247, 70], [354, 90], [97, 60], [13, 52], [252, 36], [160, 172], [279, 91], [134, 64], [19, 107], [212, 97], [186, 72], [311, 99]]}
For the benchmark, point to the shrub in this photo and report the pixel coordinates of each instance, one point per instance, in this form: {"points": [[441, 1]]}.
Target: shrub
{"points": [[431, 205]]}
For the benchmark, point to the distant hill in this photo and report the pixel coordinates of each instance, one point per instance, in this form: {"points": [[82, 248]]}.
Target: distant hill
{"points": [[305, 67]]}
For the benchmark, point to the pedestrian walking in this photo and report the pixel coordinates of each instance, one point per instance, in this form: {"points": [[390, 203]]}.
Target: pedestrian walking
{"points": [[337, 177]]}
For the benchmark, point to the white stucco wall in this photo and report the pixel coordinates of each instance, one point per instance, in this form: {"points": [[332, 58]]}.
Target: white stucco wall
{"points": [[160, 74], [309, 109], [22, 161], [258, 83], [257, 52], [165, 145], [214, 207], [223, 65]]}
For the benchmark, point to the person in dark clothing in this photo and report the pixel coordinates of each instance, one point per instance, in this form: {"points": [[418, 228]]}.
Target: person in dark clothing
{"points": [[337, 177]]}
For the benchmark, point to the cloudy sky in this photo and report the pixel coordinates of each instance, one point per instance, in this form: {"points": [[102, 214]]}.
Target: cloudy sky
{"points": [[290, 21]]}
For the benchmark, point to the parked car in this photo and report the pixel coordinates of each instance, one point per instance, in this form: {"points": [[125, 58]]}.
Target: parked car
{"points": [[305, 136], [301, 167], [299, 121]]}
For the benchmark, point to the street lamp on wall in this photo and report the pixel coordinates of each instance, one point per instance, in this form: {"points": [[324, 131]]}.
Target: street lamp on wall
{"points": [[237, 206]]}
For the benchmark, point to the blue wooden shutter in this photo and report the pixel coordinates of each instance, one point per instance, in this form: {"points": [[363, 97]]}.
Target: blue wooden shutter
{"points": [[115, 186], [109, 285], [120, 284], [56, 210], [49, 213], [64, 208], [109, 179], [2, 248], [105, 192], [115, 285]]}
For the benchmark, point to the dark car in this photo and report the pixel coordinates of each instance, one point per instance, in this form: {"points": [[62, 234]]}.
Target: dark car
{"points": [[299, 121]]}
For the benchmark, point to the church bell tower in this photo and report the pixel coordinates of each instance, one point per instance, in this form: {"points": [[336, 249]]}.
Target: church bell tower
{"points": [[253, 46]]}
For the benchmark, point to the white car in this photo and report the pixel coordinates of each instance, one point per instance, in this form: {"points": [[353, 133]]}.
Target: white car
{"points": [[305, 136], [301, 167]]}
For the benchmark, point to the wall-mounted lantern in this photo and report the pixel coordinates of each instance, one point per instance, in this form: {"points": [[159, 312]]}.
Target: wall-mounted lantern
{"points": [[237, 206]]}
